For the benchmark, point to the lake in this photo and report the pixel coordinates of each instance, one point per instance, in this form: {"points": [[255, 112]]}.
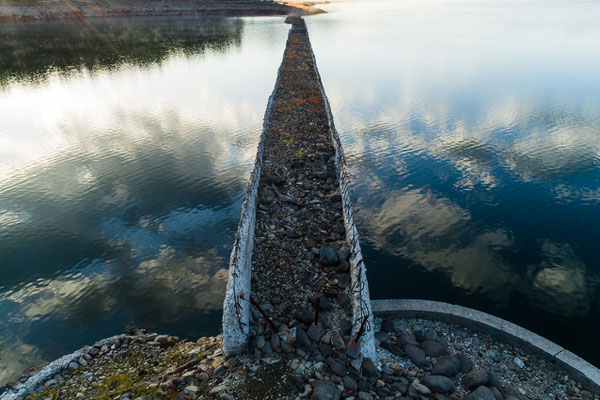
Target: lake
{"points": [[472, 130], [125, 148]]}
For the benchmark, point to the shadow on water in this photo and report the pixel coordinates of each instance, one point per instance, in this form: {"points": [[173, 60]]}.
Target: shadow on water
{"points": [[37, 48]]}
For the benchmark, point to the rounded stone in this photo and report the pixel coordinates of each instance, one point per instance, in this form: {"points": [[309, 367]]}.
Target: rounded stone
{"points": [[438, 383], [481, 393], [447, 366], [474, 379]]}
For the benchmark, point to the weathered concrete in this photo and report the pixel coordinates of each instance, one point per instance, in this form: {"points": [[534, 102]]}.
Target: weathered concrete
{"points": [[503, 330], [55, 367]]}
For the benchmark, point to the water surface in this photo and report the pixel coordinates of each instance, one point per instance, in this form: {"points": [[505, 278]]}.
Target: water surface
{"points": [[473, 131], [125, 148]]}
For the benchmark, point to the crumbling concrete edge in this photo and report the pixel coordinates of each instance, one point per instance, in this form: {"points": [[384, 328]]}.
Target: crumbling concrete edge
{"points": [[361, 303], [236, 306], [36, 382], [582, 371]]}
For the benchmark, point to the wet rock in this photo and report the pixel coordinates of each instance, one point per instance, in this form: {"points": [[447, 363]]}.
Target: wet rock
{"points": [[346, 326], [434, 349], [364, 396], [438, 383], [481, 393], [296, 381], [496, 393], [338, 341], [343, 280], [369, 369], [326, 349], [343, 253], [305, 316], [325, 390], [343, 299], [400, 387], [419, 389], [336, 367], [447, 366], [164, 340], [405, 339], [382, 336], [474, 379], [494, 382], [466, 365], [203, 377], [350, 383], [315, 332], [416, 355], [276, 343], [302, 339], [343, 267], [393, 348], [328, 256], [220, 370]]}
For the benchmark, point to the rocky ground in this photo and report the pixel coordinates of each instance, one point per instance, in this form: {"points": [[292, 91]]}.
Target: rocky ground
{"points": [[26, 10], [445, 360], [418, 360]]}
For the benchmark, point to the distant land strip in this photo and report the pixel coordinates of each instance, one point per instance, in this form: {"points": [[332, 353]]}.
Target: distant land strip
{"points": [[30, 10]]}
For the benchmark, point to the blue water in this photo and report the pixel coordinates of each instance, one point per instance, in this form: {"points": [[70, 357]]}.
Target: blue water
{"points": [[473, 132], [124, 157]]}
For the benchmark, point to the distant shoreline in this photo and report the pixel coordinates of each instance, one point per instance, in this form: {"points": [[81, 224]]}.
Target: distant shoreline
{"points": [[31, 10]]}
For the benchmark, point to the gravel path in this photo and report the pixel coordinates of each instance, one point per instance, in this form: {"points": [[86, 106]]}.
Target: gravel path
{"points": [[300, 255]]}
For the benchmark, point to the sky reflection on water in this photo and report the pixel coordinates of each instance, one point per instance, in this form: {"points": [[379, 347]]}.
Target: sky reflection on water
{"points": [[473, 129], [122, 173]]}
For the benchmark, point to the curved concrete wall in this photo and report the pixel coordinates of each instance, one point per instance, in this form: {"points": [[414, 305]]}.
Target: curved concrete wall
{"points": [[36, 382], [506, 331]]}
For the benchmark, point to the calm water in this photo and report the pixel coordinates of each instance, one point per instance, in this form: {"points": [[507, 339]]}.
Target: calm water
{"points": [[473, 129], [125, 148]]}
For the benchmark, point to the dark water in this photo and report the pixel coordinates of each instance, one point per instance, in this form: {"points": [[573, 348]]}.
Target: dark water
{"points": [[125, 148], [473, 131]]}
